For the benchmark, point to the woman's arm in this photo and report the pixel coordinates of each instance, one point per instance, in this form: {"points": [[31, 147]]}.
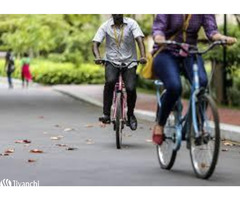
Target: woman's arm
{"points": [[159, 28], [211, 30]]}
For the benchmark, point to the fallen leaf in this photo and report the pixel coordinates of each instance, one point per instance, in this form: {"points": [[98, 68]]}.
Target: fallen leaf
{"points": [[227, 143], [56, 137], [4, 154], [36, 151], [148, 140], [127, 135], [102, 125], [89, 141], [41, 117], [31, 160], [68, 129], [23, 141], [61, 145], [89, 125], [225, 150], [9, 151], [71, 148], [58, 126]]}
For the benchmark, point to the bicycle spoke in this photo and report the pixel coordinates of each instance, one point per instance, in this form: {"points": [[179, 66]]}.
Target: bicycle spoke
{"points": [[204, 153]]}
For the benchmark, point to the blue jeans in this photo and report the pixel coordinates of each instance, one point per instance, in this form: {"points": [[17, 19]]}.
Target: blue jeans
{"points": [[167, 68], [9, 76]]}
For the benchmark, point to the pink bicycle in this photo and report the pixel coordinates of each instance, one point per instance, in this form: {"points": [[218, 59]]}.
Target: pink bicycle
{"points": [[119, 117]]}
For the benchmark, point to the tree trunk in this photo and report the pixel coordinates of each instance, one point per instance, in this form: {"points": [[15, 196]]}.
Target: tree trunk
{"points": [[217, 82]]}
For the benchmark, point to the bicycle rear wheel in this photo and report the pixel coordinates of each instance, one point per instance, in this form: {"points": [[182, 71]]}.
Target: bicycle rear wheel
{"points": [[204, 149], [166, 151], [119, 121]]}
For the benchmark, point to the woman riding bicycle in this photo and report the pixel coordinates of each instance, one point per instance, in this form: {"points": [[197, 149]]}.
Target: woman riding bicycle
{"points": [[167, 62]]}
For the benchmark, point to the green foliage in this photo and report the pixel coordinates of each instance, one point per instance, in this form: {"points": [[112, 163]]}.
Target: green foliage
{"points": [[233, 52], [63, 37], [234, 92], [51, 73]]}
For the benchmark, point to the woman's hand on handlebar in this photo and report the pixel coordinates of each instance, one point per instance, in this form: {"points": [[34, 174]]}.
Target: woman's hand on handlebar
{"points": [[229, 40]]}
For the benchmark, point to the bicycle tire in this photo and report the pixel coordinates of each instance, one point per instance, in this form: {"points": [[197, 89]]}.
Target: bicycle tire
{"points": [[204, 169], [118, 122], [165, 152]]}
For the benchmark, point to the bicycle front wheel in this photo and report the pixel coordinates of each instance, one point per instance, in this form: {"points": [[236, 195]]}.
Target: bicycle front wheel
{"points": [[119, 121], [204, 137], [166, 152]]}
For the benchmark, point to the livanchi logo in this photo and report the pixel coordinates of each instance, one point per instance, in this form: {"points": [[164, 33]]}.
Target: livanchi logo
{"points": [[6, 182]]}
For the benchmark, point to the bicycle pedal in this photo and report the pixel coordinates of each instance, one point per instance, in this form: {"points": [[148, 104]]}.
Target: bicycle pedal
{"points": [[198, 141]]}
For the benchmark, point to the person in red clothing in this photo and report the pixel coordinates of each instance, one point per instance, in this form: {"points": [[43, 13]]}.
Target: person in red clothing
{"points": [[26, 74]]}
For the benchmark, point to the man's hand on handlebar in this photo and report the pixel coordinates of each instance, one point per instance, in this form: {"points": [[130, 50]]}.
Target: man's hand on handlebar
{"points": [[98, 61]]}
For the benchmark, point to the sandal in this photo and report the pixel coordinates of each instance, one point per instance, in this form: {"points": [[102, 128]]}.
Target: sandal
{"points": [[157, 138]]}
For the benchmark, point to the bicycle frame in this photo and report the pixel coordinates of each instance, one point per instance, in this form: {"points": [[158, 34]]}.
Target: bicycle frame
{"points": [[119, 88]]}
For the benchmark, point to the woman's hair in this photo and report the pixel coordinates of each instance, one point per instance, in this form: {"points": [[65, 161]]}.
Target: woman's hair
{"points": [[25, 54]]}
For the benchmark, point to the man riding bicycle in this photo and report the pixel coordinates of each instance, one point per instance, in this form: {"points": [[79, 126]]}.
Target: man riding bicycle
{"points": [[120, 33], [180, 28]]}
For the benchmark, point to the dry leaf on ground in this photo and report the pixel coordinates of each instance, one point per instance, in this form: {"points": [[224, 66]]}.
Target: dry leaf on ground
{"points": [[36, 151], [61, 145], [89, 126], [31, 160], [68, 129], [4, 154], [102, 125], [56, 137], [71, 148], [224, 149], [148, 140], [9, 151], [89, 141], [23, 141], [227, 143]]}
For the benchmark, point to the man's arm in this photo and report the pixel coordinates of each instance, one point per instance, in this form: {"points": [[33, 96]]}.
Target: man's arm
{"points": [[141, 47], [96, 52]]}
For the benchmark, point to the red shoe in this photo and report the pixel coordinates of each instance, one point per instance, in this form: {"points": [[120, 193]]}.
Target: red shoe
{"points": [[157, 138]]}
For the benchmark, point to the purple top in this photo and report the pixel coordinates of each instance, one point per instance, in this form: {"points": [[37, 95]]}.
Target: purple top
{"points": [[168, 25]]}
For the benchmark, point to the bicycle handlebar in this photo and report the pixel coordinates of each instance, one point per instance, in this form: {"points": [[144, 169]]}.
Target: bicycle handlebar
{"points": [[122, 64], [191, 48]]}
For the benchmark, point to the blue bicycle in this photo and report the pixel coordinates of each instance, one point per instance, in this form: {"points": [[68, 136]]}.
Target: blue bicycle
{"points": [[199, 126]]}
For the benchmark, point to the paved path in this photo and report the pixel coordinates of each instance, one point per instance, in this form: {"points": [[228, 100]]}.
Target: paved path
{"points": [[39, 113], [146, 106]]}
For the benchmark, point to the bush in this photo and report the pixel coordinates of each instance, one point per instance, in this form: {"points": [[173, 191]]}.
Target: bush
{"points": [[51, 73], [234, 92]]}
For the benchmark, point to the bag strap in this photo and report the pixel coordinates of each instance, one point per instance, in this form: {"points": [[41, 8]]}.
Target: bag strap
{"points": [[184, 30], [118, 42], [185, 26]]}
